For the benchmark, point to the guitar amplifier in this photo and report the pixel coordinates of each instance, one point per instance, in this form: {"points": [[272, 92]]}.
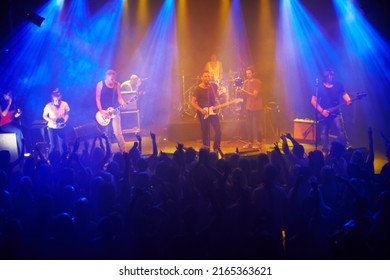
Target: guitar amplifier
{"points": [[304, 130], [129, 95], [86, 131], [130, 121], [8, 143]]}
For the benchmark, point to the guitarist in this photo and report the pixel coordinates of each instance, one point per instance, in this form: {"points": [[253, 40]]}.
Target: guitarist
{"points": [[8, 113], [108, 94], [251, 90], [205, 95], [330, 93], [56, 113]]}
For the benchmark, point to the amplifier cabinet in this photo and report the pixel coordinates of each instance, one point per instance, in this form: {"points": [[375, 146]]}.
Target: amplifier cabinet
{"points": [[8, 143], [304, 130], [130, 121]]}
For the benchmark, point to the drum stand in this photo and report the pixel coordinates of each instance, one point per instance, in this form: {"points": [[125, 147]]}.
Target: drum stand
{"points": [[185, 108], [270, 109]]}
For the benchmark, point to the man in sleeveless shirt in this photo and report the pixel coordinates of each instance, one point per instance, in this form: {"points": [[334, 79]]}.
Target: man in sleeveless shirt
{"points": [[108, 94]]}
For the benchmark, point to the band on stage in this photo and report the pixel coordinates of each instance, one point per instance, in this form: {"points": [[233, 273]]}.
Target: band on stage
{"points": [[215, 97]]}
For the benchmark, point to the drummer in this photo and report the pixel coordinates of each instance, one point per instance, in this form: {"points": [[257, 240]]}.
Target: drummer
{"points": [[214, 66]]}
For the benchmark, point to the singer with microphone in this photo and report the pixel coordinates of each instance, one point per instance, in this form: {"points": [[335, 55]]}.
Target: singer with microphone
{"points": [[204, 98], [108, 95], [328, 95], [56, 113]]}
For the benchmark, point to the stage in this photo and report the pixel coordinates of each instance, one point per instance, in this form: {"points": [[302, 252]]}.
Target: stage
{"points": [[187, 132]]}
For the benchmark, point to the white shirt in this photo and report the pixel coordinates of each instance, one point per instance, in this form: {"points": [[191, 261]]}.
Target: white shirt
{"points": [[55, 112]]}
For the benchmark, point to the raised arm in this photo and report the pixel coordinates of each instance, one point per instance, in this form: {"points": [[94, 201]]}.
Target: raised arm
{"points": [[153, 136], [139, 138], [293, 141]]}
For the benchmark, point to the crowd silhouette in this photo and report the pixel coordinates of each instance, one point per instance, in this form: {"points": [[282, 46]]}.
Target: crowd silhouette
{"points": [[88, 203]]}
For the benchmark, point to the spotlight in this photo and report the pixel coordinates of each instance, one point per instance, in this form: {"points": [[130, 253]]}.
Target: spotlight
{"points": [[35, 18]]}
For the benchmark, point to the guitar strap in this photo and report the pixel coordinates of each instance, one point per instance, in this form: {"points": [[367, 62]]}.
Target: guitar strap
{"points": [[113, 95], [214, 94]]}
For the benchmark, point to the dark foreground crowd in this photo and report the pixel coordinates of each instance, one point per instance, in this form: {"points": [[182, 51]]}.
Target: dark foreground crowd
{"points": [[88, 203]]}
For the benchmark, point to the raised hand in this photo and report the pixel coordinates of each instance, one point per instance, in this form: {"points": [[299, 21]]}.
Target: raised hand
{"points": [[180, 146]]}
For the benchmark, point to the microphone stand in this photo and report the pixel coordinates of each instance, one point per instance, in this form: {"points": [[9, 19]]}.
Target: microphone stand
{"points": [[316, 117]]}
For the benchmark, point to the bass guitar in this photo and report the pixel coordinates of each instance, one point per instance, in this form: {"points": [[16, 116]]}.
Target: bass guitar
{"points": [[211, 110], [104, 121], [333, 109], [9, 117]]}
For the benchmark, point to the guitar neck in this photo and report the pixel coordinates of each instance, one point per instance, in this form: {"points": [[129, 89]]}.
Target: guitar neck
{"points": [[224, 104], [117, 109], [334, 108]]}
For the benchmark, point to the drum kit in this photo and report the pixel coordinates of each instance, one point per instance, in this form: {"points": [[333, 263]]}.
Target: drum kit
{"points": [[228, 90]]}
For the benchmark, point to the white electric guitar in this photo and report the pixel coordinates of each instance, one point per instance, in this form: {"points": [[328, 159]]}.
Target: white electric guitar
{"points": [[211, 110], [104, 121]]}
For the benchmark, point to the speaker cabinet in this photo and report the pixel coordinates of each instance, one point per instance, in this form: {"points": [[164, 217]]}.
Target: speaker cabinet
{"points": [[128, 96], [8, 143], [130, 121], [86, 131], [304, 130]]}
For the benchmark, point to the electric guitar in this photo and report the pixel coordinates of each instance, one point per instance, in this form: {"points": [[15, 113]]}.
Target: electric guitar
{"points": [[9, 117], [211, 112], [333, 109], [104, 121]]}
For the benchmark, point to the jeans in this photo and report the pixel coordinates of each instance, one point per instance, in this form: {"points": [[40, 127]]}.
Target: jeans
{"points": [[57, 138], [253, 122], [205, 128], [117, 130], [325, 128]]}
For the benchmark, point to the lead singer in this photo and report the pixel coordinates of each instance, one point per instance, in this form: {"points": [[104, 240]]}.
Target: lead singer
{"points": [[108, 94], [204, 97]]}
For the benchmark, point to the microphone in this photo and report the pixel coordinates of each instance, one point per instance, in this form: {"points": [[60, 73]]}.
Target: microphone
{"points": [[316, 81]]}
